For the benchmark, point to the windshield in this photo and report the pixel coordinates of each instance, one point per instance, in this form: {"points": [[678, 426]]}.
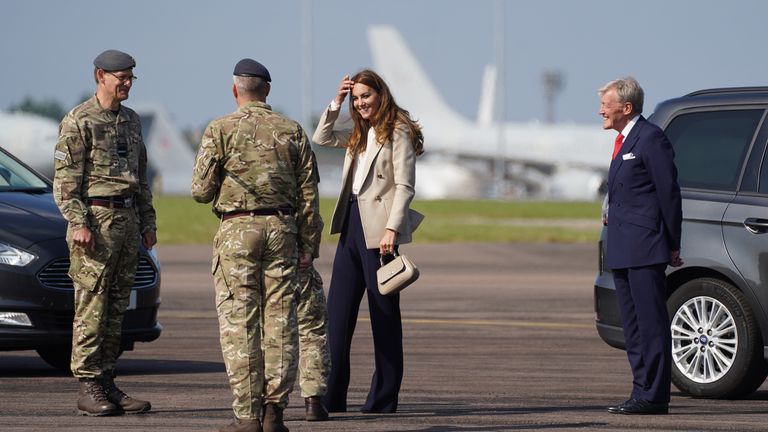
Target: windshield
{"points": [[15, 177]]}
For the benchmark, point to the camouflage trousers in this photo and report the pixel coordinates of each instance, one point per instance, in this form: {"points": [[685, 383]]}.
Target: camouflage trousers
{"points": [[254, 270], [314, 359], [103, 279]]}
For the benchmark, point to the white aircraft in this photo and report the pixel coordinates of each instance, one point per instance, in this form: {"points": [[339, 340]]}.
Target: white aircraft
{"points": [[169, 155], [32, 139], [559, 161]]}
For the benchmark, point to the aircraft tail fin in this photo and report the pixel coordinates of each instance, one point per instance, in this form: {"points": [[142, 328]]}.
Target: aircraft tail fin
{"points": [[406, 78], [486, 110]]}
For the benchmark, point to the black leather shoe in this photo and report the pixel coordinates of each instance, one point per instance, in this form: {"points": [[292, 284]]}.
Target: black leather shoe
{"points": [[641, 406], [615, 409]]}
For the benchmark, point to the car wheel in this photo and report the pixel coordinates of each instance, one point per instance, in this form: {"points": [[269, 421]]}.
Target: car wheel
{"points": [[58, 356], [717, 351]]}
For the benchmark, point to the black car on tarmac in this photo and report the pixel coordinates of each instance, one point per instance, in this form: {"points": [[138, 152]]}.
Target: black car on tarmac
{"points": [[717, 301], [36, 294]]}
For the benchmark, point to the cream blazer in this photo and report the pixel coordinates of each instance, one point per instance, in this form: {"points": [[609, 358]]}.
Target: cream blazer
{"points": [[388, 184]]}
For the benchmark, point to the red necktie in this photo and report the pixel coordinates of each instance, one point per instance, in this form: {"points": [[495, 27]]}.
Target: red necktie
{"points": [[617, 145]]}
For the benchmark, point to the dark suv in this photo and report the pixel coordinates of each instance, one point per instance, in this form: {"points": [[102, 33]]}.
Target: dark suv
{"points": [[718, 300], [36, 294]]}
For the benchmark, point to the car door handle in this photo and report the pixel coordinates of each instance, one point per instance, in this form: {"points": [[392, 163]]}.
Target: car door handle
{"points": [[756, 226]]}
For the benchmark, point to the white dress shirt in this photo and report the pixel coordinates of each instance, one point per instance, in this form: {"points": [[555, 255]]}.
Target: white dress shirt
{"points": [[357, 169], [628, 128], [362, 159]]}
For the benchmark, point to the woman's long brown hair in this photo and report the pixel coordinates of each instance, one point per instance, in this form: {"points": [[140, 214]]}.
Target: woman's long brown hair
{"points": [[387, 117]]}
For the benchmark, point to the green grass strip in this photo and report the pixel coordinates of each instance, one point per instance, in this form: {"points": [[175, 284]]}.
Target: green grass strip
{"points": [[183, 221]]}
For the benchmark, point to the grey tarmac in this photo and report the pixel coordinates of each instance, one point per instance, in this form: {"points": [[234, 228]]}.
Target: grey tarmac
{"points": [[498, 337]]}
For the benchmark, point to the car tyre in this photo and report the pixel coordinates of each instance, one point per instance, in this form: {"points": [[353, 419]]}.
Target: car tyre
{"points": [[57, 356], [717, 349], [60, 356]]}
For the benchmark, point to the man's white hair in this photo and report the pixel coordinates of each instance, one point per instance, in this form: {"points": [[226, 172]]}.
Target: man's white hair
{"points": [[627, 90]]}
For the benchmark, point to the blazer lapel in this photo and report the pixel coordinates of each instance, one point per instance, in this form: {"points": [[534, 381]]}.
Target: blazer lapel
{"points": [[369, 162], [612, 172], [634, 136], [626, 147]]}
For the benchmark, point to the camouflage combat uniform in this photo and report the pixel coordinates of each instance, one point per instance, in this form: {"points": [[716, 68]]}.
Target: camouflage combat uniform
{"points": [[99, 155], [314, 359], [257, 160], [312, 313]]}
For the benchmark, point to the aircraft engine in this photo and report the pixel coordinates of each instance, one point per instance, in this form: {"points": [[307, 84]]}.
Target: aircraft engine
{"points": [[442, 179], [577, 184]]}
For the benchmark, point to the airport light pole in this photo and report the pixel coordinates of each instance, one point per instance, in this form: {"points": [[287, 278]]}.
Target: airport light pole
{"points": [[306, 60], [553, 84], [501, 111]]}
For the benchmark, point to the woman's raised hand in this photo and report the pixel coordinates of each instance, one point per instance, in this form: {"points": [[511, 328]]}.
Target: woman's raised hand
{"points": [[344, 88]]}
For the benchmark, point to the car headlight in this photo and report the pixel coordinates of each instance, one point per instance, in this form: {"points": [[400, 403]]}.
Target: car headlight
{"points": [[153, 254], [15, 319], [14, 256]]}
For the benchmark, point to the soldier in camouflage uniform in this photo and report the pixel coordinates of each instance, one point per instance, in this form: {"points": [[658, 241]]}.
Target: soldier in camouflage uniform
{"points": [[258, 169], [314, 359], [100, 186]]}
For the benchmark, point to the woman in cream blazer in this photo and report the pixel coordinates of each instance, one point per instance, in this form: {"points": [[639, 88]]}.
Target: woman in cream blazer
{"points": [[373, 217]]}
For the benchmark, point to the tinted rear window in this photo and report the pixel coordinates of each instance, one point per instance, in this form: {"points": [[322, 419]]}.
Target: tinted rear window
{"points": [[710, 147]]}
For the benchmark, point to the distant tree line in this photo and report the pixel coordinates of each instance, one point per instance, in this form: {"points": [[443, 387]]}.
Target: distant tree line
{"points": [[53, 109], [50, 108]]}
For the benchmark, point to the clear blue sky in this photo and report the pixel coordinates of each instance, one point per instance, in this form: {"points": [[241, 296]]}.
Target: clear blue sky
{"points": [[186, 49]]}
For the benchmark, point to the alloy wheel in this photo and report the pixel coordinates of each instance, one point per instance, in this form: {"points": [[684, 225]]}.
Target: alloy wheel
{"points": [[704, 339]]}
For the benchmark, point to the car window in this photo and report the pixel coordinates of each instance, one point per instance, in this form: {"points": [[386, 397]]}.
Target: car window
{"points": [[763, 188], [14, 176], [710, 146]]}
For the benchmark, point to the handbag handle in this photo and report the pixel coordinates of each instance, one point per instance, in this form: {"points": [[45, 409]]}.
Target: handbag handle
{"points": [[381, 257]]}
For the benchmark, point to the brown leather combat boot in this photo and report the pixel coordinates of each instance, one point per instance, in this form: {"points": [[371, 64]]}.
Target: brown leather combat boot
{"points": [[273, 419], [315, 409], [242, 425], [92, 401], [128, 404]]}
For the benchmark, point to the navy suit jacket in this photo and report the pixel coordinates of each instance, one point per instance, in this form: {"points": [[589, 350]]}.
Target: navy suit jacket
{"points": [[645, 211]]}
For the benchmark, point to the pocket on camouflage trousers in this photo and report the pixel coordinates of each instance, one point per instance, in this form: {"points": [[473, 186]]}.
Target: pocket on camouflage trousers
{"points": [[87, 274]]}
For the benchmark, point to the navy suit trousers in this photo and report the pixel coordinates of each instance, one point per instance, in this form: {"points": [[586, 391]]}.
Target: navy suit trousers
{"points": [[641, 292], [354, 271]]}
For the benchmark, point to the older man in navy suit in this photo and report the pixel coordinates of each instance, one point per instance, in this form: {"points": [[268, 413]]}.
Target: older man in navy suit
{"points": [[644, 224]]}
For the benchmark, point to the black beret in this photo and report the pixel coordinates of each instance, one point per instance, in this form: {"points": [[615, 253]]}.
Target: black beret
{"points": [[114, 60], [252, 68]]}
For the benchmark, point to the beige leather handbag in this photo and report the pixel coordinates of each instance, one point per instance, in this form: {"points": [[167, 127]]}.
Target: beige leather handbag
{"points": [[397, 274]]}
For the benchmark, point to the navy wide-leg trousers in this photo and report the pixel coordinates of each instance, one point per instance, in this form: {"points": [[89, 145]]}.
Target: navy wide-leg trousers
{"points": [[354, 271]]}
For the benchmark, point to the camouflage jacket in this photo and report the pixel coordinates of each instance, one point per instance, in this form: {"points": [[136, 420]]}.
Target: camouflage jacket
{"points": [[256, 159], [100, 154]]}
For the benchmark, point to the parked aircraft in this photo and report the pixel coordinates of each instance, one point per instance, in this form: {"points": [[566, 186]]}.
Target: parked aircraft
{"points": [[32, 139], [170, 156], [559, 161]]}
